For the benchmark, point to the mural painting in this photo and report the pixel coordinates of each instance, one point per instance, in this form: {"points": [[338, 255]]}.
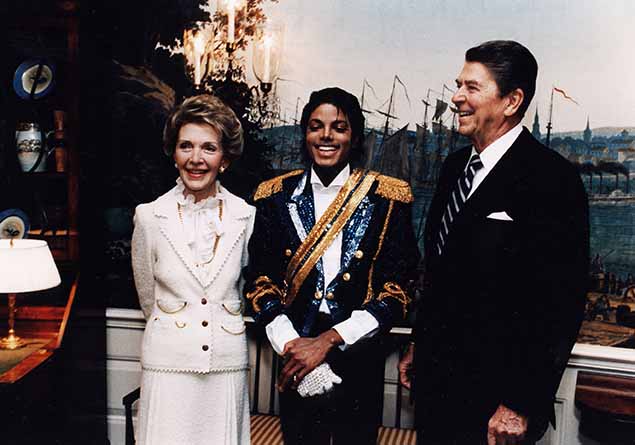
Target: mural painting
{"points": [[401, 60]]}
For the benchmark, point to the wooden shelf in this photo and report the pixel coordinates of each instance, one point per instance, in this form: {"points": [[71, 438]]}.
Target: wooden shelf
{"points": [[64, 243], [44, 175]]}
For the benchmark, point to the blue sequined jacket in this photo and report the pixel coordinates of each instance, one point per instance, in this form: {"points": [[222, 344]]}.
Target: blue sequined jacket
{"points": [[378, 261]]}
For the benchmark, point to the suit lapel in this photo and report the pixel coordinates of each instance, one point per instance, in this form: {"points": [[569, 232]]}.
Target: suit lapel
{"points": [[491, 194], [166, 211], [509, 170], [452, 170], [354, 231], [302, 214], [301, 208]]}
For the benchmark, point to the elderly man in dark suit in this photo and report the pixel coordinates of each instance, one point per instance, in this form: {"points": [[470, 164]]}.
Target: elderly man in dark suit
{"points": [[506, 267]]}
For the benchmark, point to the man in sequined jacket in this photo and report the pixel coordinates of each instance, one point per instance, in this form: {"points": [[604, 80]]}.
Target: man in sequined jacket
{"points": [[331, 257]]}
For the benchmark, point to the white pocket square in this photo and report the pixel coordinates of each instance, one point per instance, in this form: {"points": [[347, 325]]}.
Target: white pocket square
{"points": [[501, 216]]}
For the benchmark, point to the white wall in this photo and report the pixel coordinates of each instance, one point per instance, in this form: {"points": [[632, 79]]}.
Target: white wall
{"points": [[125, 329]]}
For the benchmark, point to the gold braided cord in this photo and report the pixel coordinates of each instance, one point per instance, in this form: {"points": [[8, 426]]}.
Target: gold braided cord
{"points": [[318, 229], [369, 292], [393, 290], [395, 189], [263, 287], [274, 185], [330, 235]]}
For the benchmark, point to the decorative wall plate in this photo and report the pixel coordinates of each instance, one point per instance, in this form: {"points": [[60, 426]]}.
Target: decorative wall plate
{"points": [[13, 224], [25, 78]]}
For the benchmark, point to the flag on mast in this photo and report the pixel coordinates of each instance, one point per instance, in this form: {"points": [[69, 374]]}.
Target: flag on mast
{"points": [[566, 96]]}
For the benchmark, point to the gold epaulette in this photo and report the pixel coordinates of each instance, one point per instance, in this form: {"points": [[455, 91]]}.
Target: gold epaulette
{"points": [[274, 185], [395, 189]]}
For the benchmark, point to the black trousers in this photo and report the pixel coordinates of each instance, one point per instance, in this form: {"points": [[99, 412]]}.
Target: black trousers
{"points": [[318, 420], [351, 413]]}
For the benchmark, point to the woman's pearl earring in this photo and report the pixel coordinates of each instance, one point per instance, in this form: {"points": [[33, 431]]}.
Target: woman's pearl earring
{"points": [[176, 165], [221, 169]]}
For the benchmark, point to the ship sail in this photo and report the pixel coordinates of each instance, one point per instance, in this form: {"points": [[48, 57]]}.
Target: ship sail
{"points": [[420, 168], [441, 107], [394, 159], [369, 148], [420, 139]]}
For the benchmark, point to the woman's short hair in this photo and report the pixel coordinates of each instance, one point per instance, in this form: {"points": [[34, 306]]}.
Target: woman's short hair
{"points": [[210, 110], [349, 105]]}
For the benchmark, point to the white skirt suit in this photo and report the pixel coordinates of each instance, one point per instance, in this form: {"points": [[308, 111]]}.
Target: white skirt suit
{"points": [[194, 387]]}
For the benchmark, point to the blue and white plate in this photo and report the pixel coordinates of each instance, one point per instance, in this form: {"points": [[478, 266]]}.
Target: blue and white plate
{"points": [[14, 224], [25, 78]]}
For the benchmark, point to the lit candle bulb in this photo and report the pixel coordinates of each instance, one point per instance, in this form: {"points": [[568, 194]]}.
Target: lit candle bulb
{"points": [[231, 18], [268, 42], [199, 50]]}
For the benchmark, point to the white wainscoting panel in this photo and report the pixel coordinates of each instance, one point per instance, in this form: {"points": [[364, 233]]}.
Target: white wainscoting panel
{"points": [[125, 330]]}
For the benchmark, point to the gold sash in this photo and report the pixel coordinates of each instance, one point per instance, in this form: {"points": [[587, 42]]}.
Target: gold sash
{"points": [[326, 230]]}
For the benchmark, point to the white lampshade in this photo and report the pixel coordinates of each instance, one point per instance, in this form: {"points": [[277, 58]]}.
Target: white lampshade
{"points": [[26, 266]]}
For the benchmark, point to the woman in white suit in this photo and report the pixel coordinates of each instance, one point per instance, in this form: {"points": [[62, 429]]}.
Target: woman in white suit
{"points": [[188, 249]]}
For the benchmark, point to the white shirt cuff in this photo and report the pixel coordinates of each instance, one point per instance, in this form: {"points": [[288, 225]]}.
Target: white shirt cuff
{"points": [[280, 331], [361, 324]]}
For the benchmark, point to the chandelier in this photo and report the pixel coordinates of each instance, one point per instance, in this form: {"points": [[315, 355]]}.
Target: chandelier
{"points": [[215, 52]]}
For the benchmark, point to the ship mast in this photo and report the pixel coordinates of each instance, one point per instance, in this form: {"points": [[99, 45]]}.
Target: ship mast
{"points": [[425, 112], [387, 114], [453, 133], [362, 101], [549, 126], [426, 103], [440, 126], [297, 104]]}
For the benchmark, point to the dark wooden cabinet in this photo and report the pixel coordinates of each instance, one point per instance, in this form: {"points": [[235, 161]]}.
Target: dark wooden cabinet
{"points": [[47, 31], [55, 392]]}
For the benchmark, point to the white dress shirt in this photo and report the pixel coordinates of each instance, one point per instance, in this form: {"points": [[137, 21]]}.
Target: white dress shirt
{"points": [[323, 196], [361, 323], [492, 154]]}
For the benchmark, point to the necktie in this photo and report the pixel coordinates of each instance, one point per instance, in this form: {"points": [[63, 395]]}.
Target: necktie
{"points": [[457, 199]]}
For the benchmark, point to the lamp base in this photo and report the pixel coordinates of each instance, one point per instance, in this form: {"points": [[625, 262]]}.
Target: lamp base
{"points": [[12, 342]]}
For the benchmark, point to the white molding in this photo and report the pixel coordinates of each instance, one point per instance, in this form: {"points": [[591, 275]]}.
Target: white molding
{"points": [[605, 358], [133, 318], [125, 329], [125, 318], [582, 353]]}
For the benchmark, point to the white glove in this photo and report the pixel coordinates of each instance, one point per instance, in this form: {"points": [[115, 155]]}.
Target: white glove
{"points": [[319, 381]]}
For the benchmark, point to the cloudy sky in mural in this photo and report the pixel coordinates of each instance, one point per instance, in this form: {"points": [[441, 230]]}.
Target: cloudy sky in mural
{"points": [[583, 47]]}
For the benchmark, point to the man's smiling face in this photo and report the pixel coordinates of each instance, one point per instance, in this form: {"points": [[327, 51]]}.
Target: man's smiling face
{"points": [[481, 108], [328, 136]]}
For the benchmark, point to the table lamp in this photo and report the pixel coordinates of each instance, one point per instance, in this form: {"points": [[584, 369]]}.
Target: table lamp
{"points": [[25, 266]]}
